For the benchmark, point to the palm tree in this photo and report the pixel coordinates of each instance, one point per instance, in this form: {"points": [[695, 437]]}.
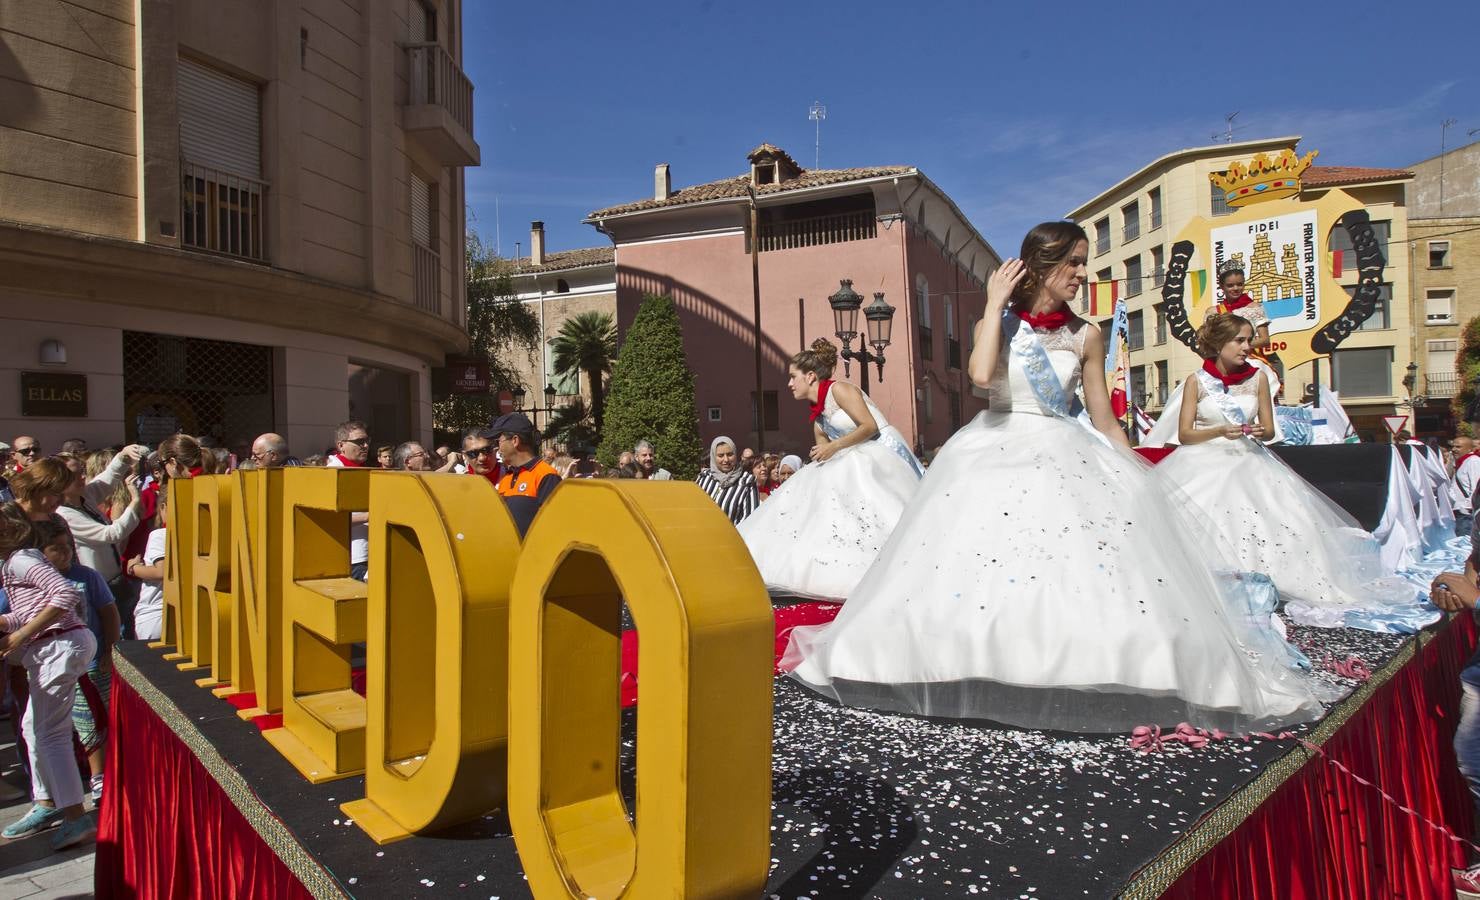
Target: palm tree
{"points": [[587, 343], [570, 425]]}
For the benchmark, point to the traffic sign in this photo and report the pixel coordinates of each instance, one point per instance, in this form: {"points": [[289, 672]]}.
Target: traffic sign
{"points": [[1395, 423]]}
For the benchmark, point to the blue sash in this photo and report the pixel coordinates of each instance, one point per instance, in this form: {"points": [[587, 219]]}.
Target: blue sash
{"points": [[1037, 368], [886, 436]]}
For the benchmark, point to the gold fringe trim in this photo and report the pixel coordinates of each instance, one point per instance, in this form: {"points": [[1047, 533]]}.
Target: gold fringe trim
{"points": [[1216, 826], [269, 827]]}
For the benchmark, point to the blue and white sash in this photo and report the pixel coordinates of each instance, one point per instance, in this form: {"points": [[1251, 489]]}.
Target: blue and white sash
{"points": [[1217, 391], [1037, 368], [885, 435]]}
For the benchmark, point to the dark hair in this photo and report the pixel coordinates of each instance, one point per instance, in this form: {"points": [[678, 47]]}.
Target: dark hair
{"points": [[1217, 330], [819, 359], [17, 531], [44, 531], [1044, 249], [345, 429], [1228, 268], [186, 451], [44, 476]]}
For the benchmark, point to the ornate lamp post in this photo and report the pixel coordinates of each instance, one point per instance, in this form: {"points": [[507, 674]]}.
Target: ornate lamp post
{"points": [[1410, 383], [880, 324], [518, 393]]}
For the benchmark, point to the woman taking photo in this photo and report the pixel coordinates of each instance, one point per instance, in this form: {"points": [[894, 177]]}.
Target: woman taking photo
{"points": [[1038, 578], [727, 482], [824, 525]]}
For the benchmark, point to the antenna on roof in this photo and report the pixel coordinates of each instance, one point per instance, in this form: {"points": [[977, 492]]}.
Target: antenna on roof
{"points": [[817, 112], [1227, 135], [498, 230]]}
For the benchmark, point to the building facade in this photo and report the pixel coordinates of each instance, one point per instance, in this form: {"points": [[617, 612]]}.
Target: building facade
{"points": [[557, 287], [888, 229], [1444, 259], [1133, 224], [229, 216]]}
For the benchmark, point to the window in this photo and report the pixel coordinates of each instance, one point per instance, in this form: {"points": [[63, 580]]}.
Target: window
{"points": [[1381, 318], [818, 222], [562, 286], [1158, 267], [1220, 203], [1155, 198], [771, 406], [954, 399], [1439, 376], [1438, 306], [1102, 236], [1133, 276], [1135, 330], [1163, 383], [922, 310], [714, 414], [1438, 254], [1363, 373], [1137, 386], [929, 404], [1130, 215], [222, 196], [1341, 242], [567, 384], [1161, 323], [426, 268], [953, 345]]}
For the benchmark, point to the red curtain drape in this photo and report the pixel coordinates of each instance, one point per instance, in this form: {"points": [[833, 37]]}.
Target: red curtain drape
{"points": [[166, 828], [1323, 834]]}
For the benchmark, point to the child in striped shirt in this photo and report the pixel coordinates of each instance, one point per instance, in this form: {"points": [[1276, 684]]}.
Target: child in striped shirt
{"points": [[43, 634]]}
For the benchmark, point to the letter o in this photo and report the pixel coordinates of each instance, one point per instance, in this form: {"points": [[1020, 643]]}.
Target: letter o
{"points": [[704, 730]]}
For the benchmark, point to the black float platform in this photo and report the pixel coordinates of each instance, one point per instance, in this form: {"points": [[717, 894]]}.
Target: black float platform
{"points": [[865, 804]]}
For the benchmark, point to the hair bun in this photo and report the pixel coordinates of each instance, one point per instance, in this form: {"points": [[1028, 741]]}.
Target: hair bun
{"points": [[827, 352]]}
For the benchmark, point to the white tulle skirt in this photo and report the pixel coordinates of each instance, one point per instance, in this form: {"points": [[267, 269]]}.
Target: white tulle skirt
{"points": [[1273, 521], [1040, 579], [818, 533]]}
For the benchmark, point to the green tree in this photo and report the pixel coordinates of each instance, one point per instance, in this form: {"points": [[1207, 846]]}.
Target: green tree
{"points": [[500, 328], [1467, 370], [570, 425], [587, 344], [652, 393]]}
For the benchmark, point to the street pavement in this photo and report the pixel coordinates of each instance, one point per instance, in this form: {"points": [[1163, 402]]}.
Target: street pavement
{"points": [[29, 868]]}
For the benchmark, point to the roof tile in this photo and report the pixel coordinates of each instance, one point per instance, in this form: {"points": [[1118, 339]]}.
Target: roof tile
{"points": [[1330, 176], [567, 259], [734, 188]]}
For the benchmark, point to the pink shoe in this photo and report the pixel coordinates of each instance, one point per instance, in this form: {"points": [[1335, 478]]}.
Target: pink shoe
{"points": [[1467, 883]]}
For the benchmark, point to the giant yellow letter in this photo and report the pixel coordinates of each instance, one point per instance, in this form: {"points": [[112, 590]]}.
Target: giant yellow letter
{"points": [[210, 576], [704, 726], [256, 578], [177, 623], [436, 668], [323, 733]]}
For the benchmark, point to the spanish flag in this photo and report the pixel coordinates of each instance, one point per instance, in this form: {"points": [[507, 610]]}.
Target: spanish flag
{"points": [[1102, 296]]}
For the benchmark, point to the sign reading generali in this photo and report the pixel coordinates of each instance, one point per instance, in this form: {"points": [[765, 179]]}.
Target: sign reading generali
{"points": [[467, 376], [53, 394]]}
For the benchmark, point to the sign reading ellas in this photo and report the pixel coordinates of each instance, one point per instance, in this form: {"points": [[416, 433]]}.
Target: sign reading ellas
{"points": [[53, 394], [492, 667]]}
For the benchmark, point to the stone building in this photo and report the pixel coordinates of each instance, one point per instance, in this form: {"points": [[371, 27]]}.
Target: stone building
{"points": [[231, 216]]}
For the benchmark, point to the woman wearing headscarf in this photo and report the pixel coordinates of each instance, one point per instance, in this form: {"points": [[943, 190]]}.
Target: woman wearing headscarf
{"points": [[727, 482], [789, 466]]}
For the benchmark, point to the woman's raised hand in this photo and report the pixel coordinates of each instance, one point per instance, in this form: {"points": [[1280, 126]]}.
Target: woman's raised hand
{"points": [[1003, 281]]}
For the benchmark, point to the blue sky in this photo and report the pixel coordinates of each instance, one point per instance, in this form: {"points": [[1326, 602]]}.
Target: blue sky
{"points": [[1018, 111]]}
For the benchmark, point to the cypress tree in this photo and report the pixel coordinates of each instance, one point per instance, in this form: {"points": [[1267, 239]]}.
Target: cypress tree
{"points": [[1466, 404], [652, 393]]}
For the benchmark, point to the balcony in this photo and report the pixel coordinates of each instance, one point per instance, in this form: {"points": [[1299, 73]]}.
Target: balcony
{"points": [[927, 343], [819, 230], [953, 353], [1102, 244], [1441, 384], [222, 213], [426, 277], [439, 105], [1132, 230]]}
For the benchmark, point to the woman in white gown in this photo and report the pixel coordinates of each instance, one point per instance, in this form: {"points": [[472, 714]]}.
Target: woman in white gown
{"points": [[820, 530], [1039, 577], [1324, 565]]}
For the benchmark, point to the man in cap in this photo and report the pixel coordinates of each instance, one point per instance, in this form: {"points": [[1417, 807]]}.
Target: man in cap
{"points": [[526, 481]]}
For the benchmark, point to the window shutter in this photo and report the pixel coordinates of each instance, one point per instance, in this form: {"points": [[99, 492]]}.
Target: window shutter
{"points": [[220, 120], [421, 211]]}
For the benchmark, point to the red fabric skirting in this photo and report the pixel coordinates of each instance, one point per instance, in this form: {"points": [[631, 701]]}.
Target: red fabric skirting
{"points": [[1155, 455], [1322, 834], [166, 827]]}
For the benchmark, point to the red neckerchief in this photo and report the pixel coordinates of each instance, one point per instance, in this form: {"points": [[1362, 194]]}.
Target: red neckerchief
{"points": [[1237, 376], [1049, 321], [1461, 461], [1236, 304], [822, 389], [346, 463]]}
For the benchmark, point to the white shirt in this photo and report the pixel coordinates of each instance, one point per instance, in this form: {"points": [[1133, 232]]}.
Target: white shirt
{"points": [[1463, 486], [149, 611], [359, 534]]}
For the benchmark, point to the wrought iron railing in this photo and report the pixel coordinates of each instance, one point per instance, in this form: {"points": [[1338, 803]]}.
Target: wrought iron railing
{"points": [[437, 80], [819, 230], [426, 278], [1441, 384], [223, 213]]}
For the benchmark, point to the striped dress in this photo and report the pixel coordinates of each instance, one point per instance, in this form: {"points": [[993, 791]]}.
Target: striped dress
{"points": [[737, 499]]}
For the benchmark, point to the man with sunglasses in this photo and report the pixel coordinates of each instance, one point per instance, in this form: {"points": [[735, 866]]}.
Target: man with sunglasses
{"points": [[352, 446], [480, 450], [24, 450]]}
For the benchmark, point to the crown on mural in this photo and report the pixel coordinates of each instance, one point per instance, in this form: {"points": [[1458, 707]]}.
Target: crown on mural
{"points": [[1264, 178]]}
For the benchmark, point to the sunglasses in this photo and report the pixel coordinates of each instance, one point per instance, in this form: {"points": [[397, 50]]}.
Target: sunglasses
{"points": [[28, 451], [359, 442], [480, 451]]}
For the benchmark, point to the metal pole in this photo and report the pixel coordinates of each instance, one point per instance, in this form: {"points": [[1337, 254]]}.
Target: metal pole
{"points": [[864, 358], [755, 285]]}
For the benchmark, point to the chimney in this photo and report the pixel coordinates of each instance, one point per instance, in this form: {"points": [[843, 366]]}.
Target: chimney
{"points": [[536, 243], [662, 183]]}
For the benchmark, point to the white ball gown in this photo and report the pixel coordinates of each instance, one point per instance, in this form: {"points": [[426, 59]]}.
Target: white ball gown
{"points": [[1326, 567], [1039, 579], [818, 533]]}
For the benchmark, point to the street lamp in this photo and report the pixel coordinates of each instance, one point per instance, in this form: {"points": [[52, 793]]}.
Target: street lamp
{"points": [[880, 324], [518, 394]]}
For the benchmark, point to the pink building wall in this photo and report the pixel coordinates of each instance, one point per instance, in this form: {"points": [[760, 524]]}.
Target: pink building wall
{"points": [[709, 279]]}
